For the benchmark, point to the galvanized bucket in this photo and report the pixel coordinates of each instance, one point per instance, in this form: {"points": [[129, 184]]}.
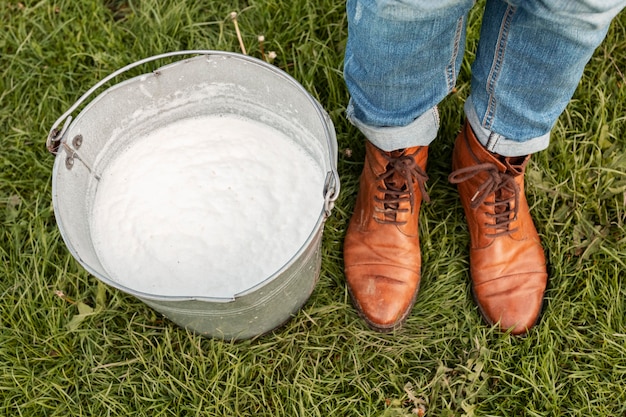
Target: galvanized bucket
{"points": [[210, 82]]}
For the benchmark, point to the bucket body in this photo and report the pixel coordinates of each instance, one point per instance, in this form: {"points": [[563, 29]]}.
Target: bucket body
{"points": [[211, 83]]}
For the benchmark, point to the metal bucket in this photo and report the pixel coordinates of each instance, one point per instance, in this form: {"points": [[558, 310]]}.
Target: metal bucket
{"points": [[211, 82]]}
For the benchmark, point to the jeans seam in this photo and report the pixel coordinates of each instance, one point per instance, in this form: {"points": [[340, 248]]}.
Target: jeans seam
{"points": [[436, 116], [492, 141], [450, 69], [496, 66]]}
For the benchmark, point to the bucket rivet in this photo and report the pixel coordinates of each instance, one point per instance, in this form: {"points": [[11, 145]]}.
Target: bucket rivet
{"points": [[69, 162], [77, 141]]}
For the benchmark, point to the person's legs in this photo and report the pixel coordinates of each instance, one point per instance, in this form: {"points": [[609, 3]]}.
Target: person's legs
{"points": [[530, 59], [402, 59]]}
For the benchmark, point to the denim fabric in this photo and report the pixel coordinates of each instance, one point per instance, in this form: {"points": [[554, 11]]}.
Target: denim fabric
{"points": [[403, 57]]}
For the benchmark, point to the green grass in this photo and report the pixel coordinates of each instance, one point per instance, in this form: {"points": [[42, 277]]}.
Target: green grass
{"points": [[123, 359]]}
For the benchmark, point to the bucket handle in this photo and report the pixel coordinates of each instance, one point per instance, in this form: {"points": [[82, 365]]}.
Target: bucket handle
{"points": [[332, 184], [332, 187], [55, 135]]}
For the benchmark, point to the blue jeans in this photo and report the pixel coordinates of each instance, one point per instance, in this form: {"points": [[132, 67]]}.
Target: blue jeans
{"points": [[403, 57]]}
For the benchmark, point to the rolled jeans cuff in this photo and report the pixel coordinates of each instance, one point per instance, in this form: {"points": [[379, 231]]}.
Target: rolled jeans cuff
{"points": [[420, 132], [499, 144]]}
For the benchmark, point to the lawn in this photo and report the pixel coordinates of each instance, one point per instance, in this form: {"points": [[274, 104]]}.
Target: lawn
{"points": [[71, 346]]}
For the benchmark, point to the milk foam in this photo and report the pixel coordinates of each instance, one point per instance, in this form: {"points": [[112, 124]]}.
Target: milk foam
{"points": [[207, 206]]}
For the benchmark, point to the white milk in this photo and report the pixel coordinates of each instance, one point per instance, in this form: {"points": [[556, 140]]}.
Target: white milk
{"points": [[206, 206]]}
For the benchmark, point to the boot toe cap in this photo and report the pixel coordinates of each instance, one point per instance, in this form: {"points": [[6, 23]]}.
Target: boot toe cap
{"points": [[384, 300], [513, 302]]}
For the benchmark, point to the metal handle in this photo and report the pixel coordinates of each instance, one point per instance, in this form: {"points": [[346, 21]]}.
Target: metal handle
{"points": [[332, 188], [333, 185], [55, 134]]}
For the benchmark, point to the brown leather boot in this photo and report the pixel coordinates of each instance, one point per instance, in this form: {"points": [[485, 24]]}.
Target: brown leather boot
{"points": [[381, 249], [507, 263]]}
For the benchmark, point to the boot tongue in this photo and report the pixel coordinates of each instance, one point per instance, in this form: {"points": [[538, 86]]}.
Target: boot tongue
{"points": [[515, 165], [402, 179], [397, 181], [401, 198]]}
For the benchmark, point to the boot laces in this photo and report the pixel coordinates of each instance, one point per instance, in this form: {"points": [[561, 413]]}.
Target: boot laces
{"points": [[504, 208], [398, 185]]}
